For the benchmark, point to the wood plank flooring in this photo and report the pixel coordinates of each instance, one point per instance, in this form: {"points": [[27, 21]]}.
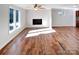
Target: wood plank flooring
{"points": [[65, 41]]}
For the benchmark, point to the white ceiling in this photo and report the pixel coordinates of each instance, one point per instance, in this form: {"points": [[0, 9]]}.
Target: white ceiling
{"points": [[50, 6]]}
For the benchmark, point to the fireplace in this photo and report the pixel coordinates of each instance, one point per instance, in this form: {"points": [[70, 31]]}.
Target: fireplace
{"points": [[37, 22]]}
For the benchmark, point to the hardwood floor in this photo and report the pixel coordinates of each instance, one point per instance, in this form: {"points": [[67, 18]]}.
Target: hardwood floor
{"points": [[65, 41]]}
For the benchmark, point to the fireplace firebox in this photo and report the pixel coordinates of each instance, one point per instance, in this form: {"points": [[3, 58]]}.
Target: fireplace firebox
{"points": [[37, 21]]}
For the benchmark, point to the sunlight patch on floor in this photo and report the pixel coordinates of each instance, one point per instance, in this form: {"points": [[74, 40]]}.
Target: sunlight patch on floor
{"points": [[40, 31]]}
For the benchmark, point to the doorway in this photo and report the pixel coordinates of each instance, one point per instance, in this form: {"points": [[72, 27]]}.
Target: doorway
{"points": [[77, 18]]}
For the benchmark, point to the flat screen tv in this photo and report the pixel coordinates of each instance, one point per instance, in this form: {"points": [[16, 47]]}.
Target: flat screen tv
{"points": [[37, 21]]}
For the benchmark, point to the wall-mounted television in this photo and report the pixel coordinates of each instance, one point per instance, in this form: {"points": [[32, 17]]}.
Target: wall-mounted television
{"points": [[37, 21]]}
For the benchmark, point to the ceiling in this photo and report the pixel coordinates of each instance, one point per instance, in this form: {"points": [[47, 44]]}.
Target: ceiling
{"points": [[50, 6]]}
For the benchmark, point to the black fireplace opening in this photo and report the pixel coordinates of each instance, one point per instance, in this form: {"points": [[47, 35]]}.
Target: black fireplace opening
{"points": [[37, 21]]}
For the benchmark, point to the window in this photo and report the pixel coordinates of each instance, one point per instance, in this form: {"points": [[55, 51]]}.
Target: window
{"points": [[17, 19], [11, 20], [14, 19], [11, 16]]}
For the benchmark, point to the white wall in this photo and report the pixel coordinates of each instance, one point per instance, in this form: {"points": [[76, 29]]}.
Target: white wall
{"points": [[39, 14], [63, 17], [54, 17], [3, 24], [5, 37]]}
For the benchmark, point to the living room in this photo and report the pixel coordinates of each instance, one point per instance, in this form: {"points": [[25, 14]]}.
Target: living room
{"points": [[54, 21]]}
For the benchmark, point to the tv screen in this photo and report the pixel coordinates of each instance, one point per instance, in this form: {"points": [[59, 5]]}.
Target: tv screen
{"points": [[37, 21]]}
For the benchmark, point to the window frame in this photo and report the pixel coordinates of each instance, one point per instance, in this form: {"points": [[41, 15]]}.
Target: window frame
{"points": [[14, 24]]}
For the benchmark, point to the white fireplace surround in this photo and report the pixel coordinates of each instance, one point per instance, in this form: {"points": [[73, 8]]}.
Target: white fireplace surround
{"points": [[45, 15]]}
